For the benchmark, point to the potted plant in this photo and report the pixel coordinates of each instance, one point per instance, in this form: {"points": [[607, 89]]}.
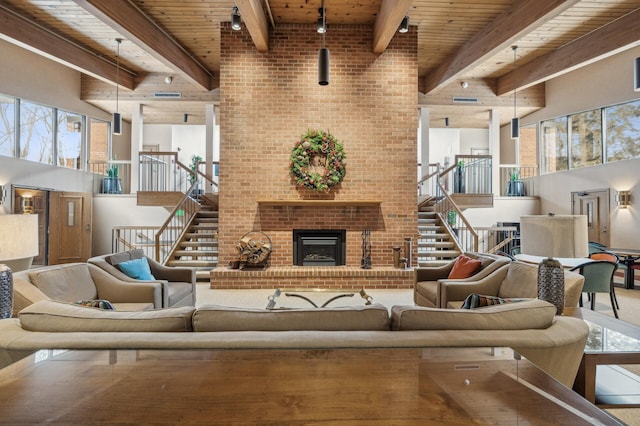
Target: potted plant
{"points": [[193, 177], [458, 178], [515, 186], [111, 184]]}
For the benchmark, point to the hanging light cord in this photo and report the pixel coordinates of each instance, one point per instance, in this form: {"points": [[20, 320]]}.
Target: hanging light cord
{"points": [[324, 24], [515, 48], [118, 73]]}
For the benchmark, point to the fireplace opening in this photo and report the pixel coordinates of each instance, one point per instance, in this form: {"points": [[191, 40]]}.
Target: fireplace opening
{"points": [[319, 247]]}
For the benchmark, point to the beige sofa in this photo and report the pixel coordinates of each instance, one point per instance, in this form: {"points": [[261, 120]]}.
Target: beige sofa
{"points": [[554, 343], [428, 280], [72, 282], [515, 280], [178, 283]]}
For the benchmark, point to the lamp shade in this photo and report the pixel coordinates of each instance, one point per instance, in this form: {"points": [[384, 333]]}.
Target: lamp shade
{"points": [[18, 240], [323, 66], [554, 236]]}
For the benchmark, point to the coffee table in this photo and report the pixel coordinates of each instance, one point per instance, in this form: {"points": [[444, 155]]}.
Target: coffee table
{"points": [[316, 298], [611, 342], [343, 386]]}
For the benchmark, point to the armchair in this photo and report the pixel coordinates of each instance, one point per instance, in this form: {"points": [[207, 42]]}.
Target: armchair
{"points": [[178, 283], [72, 282], [426, 289], [515, 280]]}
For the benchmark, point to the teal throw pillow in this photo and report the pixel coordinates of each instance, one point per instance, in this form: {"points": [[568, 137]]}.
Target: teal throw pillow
{"points": [[137, 268]]}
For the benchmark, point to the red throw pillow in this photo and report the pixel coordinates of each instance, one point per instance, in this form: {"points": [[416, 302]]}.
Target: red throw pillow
{"points": [[464, 267]]}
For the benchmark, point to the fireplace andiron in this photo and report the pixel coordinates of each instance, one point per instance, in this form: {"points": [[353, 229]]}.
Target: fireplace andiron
{"points": [[365, 262]]}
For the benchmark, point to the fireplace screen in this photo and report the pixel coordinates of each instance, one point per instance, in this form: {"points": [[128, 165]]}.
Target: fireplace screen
{"points": [[319, 247]]}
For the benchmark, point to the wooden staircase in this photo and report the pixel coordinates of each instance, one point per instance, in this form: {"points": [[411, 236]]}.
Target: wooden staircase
{"points": [[435, 244], [198, 247]]}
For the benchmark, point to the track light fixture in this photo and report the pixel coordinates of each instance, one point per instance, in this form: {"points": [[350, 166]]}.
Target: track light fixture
{"points": [[515, 121], [322, 27], [185, 118], [117, 118], [404, 25], [323, 53], [236, 21]]}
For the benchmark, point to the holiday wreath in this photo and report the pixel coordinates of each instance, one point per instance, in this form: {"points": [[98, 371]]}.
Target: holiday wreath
{"points": [[317, 161]]}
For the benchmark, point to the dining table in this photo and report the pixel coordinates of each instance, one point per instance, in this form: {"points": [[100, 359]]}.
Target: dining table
{"points": [[628, 257]]}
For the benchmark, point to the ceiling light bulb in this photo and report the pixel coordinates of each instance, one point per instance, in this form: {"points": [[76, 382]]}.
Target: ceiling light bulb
{"points": [[404, 25], [464, 84], [168, 79]]}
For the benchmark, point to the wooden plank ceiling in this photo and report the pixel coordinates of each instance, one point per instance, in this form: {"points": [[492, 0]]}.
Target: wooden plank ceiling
{"points": [[458, 41]]}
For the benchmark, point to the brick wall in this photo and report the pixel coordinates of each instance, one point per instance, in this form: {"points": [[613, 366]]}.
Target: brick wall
{"points": [[268, 100]]}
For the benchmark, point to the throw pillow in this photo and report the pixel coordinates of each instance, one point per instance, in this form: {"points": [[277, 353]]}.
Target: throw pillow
{"points": [[464, 267], [475, 300], [137, 268], [96, 303]]}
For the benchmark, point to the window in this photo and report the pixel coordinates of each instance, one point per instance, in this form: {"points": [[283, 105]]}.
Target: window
{"points": [[69, 140], [586, 138], [623, 131], [554, 145], [36, 132], [7, 126]]}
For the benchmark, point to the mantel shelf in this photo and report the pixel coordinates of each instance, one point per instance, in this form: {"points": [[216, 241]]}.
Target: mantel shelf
{"points": [[351, 206], [320, 203]]}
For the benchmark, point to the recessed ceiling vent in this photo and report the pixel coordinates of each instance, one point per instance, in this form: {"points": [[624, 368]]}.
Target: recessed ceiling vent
{"points": [[461, 100], [164, 95]]}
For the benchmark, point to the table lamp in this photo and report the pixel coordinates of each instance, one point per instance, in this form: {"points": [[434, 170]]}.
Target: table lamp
{"points": [[553, 236], [18, 246]]}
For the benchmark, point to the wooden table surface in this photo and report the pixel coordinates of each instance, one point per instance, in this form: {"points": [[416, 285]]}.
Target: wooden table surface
{"points": [[377, 386]]}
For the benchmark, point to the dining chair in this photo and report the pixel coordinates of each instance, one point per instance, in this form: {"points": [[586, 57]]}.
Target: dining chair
{"points": [[611, 257], [598, 278]]}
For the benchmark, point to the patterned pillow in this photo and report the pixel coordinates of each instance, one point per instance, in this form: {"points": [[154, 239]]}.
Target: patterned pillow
{"points": [[96, 303], [475, 300]]}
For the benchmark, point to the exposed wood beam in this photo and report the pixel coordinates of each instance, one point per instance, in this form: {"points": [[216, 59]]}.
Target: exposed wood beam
{"points": [[388, 21], [19, 30], [131, 23], [255, 20], [606, 41], [508, 27]]}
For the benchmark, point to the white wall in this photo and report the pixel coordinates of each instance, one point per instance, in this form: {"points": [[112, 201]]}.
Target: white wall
{"points": [[188, 141], [157, 134], [607, 82]]}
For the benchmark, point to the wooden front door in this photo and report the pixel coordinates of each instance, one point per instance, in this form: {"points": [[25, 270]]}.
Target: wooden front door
{"points": [[69, 227], [594, 205]]}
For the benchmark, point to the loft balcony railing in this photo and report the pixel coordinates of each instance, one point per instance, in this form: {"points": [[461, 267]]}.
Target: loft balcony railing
{"points": [[111, 177], [517, 181]]}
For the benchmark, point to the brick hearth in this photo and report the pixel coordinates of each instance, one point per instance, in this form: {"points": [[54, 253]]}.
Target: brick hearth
{"points": [[338, 277]]}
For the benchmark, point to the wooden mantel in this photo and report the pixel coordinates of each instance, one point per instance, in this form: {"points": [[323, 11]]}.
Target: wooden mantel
{"points": [[351, 206]]}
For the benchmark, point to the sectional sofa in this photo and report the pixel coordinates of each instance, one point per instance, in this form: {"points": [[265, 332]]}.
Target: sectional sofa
{"points": [[531, 328]]}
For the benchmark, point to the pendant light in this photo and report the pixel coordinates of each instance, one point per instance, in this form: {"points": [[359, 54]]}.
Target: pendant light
{"points": [[515, 121], [323, 53], [117, 118]]}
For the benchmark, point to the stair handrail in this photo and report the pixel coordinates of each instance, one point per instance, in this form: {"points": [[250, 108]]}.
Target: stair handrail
{"points": [[447, 203], [205, 176], [176, 224]]}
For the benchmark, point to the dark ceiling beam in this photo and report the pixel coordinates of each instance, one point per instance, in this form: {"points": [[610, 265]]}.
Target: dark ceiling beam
{"points": [[505, 30], [255, 20], [129, 21], [388, 21], [19, 30], [606, 41]]}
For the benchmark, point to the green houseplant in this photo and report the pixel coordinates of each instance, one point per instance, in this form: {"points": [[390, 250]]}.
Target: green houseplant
{"points": [[193, 177], [111, 184], [515, 186]]}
